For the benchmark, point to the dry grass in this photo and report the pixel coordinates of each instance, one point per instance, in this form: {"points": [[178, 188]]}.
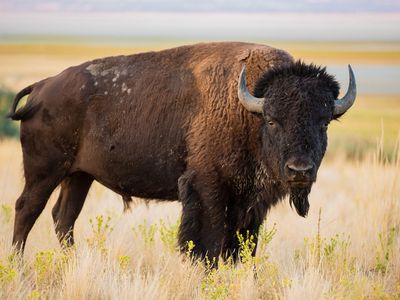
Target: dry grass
{"points": [[347, 248]]}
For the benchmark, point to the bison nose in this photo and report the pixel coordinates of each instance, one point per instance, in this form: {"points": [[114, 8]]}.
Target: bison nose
{"points": [[300, 167], [299, 170]]}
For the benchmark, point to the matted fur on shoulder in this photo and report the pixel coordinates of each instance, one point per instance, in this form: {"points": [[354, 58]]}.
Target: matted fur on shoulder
{"points": [[298, 69]]}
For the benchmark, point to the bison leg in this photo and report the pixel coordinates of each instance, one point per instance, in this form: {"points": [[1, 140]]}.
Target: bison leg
{"points": [[203, 216], [190, 226], [252, 225], [28, 208], [72, 196]]}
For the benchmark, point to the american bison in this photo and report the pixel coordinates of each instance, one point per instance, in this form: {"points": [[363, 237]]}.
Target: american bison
{"points": [[179, 124]]}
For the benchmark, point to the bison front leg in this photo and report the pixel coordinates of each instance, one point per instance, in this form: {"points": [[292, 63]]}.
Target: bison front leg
{"points": [[245, 224], [203, 216]]}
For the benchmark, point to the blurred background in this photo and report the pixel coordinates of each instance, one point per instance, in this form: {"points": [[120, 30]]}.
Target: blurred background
{"points": [[40, 38]]}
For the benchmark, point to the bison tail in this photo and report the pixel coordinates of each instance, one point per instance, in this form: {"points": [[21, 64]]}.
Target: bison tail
{"points": [[25, 112]]}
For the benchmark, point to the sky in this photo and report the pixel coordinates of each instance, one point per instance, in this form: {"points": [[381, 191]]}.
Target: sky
{"points": [[203, 26], [205, 19], [238, 6]]}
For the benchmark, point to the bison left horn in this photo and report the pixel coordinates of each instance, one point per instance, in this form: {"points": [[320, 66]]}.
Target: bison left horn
{"points": [[342, 105], [250, 102]]}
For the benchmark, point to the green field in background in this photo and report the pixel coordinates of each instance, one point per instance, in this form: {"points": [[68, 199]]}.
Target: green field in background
{"points": [[372, 120]]}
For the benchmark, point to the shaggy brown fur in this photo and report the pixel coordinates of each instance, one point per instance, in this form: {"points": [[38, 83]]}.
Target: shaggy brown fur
{"points": [[169, 125]]}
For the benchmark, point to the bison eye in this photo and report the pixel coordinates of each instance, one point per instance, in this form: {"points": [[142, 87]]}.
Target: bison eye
{"points": [[272, 123], [325, 125]]}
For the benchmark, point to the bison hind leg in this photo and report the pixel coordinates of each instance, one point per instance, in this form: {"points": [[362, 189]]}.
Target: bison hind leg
{"points": [[74, 190], [30, 205]]}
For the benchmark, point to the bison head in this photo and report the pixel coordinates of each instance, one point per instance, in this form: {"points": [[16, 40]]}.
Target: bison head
{"points": [[297, 103]]}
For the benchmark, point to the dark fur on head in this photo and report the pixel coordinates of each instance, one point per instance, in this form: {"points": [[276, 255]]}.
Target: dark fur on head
{"points": [[300, 69], [299, 103]]}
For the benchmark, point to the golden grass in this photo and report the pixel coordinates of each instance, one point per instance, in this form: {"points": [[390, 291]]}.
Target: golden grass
{"points": [[351, 250], [74, 50], [24, 63], [336, 52], [325, 52], [347, 248]]}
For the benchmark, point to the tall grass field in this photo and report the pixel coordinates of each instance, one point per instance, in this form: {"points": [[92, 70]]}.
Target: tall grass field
{"points": [[347, 248]]}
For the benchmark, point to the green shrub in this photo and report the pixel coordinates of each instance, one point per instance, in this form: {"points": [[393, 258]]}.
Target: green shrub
{"points": [[147, 232], [8, 128], [385, 250], [101, 229], [169, 235]]}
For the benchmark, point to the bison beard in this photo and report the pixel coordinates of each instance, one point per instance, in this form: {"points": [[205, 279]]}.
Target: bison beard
{"points": [[299, 197]]}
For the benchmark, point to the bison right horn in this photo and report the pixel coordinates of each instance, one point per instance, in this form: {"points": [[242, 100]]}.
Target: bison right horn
{"points": [[342, 105], [251, 103]]}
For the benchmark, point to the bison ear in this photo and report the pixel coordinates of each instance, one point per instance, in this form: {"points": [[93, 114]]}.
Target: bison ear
{"points": [[342, 105], [251, 103]]}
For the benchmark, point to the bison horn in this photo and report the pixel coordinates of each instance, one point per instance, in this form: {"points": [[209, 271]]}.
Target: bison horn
{"points": [[250, 102], [342, 105]]}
